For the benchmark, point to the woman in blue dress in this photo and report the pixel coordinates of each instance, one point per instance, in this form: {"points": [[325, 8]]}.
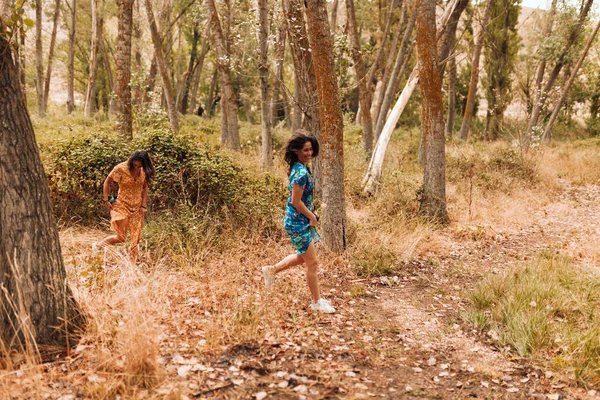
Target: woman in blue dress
{"points": [[300, 220]]}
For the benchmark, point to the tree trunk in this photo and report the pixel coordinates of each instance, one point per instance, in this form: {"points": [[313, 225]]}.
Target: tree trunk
{"points": [[90, 94], [183, 96], [448, 39], [567, 86], [394, 77], [51, 54], [364, 95], [39, 58], [37, 305], [162, 67], [71, 61], [123, 69], [210, 100], [371, 180], [334, 13], [451, 96], [138, 93], [332, 129], [470, 106], [278, 78], [108, 69], [263, 71], [562, 60], [433, 202], [198, 72], [230, 135], [306, 102]]}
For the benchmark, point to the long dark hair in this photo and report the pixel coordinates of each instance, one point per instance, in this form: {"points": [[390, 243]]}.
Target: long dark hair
{"points": [[296, 143], [143, 157]]}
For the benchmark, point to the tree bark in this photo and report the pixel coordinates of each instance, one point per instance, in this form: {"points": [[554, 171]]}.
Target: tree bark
{"points": [[183, 95], [71, 61], [108, 69], [198, 73], [371, 180], [229, 119], [469, 108], [394, 77], [210, 100], [90, 94], [562, 60], [332, 129], [364, 95], [162, 67], [567, 86], [37, 305], [278, 78], [263, 71], [123, 69], [334, 13], [433, 202], [451, 96], [39, 58], [448, 39], [51, 54]]}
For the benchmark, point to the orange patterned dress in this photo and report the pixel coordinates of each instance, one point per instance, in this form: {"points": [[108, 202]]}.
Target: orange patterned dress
{"points": [[127, 206]]}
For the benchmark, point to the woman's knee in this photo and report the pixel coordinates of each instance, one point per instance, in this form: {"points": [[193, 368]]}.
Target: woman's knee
{"points": [[120, 238], [312, 266]]}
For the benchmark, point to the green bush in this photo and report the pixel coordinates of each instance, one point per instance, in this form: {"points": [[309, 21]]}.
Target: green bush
{"points": [[188, 177]]}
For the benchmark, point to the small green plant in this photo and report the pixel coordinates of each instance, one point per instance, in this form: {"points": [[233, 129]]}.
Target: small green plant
{"points": [[374, 261]]}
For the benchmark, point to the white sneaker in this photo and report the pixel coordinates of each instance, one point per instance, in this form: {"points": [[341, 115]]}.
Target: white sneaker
{"points": [[268, 272], [95, 249], [323, 306]]}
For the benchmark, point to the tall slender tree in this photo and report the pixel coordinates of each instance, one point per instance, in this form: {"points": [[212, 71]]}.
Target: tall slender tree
{"points": [[90, 94], [123, 69], [36, 304], [263, 71], [332, 128], [39, 57], [51, 54], [71, 61], [433, 202]]}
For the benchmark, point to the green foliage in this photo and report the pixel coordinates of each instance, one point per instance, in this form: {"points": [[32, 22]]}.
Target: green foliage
{"points": [[546, 310], [373, 261], [190, 179]]}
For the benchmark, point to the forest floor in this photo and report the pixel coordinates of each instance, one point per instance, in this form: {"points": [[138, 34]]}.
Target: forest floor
{"points": [[398, 336]]}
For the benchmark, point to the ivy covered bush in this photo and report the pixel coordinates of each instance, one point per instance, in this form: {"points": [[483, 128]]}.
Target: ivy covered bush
{"points": [[190, 180]]}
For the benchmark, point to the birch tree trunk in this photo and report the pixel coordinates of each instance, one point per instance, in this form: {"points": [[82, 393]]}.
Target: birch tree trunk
{"points": [[433, 202], [263, 71], [332, 129], [229, 119], [123, 69], [562, 60], [472, 93], [90, 94], [39, 59], [567, 86], [364, 95], [51, 54], [162, 67], [371, 180], [71, 61], [37, 306]]}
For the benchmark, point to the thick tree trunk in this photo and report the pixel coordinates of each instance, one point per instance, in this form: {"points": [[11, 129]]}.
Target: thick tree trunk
{"points": [[469, 108], [332, 129], [371, 180], [90, 94], [198, 73], [433, 202], [51, 54], [39, 58], [71, 61], [123, 69], [278, 78], [306, 102], [37, 305], [162, 67], [567, 86], [364, 95], [230, 135], [263, 71], [395, 76], [451, 96], [562, 60]]}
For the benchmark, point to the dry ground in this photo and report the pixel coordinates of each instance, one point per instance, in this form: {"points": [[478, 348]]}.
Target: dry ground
{"points": [[212, 331]]}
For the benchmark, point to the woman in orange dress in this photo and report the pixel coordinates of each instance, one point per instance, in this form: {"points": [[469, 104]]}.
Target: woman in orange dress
{"points": [[127, 212]]}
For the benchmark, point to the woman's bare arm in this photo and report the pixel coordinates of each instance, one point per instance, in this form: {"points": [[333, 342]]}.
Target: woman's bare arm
{"points": [[300, 206]]}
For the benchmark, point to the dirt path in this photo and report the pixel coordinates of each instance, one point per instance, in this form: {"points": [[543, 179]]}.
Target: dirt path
{"points": [[402, 336]]}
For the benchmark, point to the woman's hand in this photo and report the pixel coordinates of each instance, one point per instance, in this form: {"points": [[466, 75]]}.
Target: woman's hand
{"points": [[143, 210], [312, 221], [108, 205]]}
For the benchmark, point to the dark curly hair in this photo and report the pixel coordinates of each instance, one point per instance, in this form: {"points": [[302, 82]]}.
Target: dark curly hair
{"points": [[143, 157], [296, 143]]}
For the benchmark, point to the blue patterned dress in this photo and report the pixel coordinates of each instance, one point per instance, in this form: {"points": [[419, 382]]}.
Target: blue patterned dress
{"points": [[295, 223]]}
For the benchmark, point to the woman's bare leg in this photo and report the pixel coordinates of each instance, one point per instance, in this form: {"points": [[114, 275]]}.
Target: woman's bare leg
{"points": [[312, 263], [119, 237], [288, 262]]}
